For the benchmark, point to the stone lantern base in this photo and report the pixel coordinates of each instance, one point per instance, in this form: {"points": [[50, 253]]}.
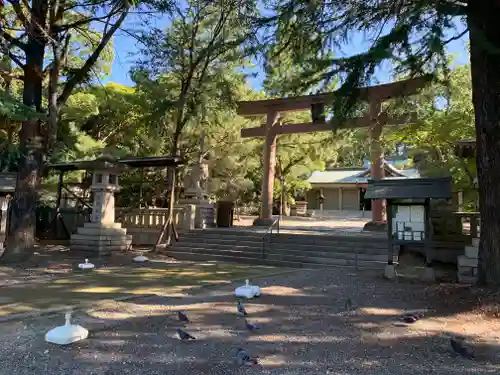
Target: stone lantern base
{"points": [[101, 239]]}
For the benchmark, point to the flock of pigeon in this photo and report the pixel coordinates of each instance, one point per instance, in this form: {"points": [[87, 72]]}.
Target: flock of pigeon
{"points": [[242, 357], [457, 344]]}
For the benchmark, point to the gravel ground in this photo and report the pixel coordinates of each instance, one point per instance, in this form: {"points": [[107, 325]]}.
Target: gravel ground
{"points": [[306, 330]]}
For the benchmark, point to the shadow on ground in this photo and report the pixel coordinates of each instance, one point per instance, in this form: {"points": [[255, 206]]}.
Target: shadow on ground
{"points": [[305, 330]]}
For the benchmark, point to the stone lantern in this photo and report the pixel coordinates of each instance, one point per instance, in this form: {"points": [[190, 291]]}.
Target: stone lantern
{"points": [[102, 235]]}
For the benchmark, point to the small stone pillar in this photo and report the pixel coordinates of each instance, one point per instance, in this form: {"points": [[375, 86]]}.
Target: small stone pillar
{"points": [[102, 235]]}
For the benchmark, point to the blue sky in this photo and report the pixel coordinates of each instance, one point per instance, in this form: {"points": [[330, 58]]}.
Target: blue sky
{"points": [[126, 53]]}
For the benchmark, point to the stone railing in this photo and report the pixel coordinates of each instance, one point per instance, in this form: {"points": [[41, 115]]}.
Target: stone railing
{"points": [[145, 224], [155, 218]]}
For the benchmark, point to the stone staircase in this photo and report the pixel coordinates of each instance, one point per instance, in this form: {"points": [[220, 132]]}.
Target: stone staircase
{"points": [[467, 263], [303, 250]]}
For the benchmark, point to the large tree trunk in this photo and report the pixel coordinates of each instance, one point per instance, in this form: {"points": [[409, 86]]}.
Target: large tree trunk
{"points": [[21, 238], [169, 227], [485, 72]]}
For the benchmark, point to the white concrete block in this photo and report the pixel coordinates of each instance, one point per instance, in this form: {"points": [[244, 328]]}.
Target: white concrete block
{"points": [[471, 252], [466, 279], [66, 334], [390, 272], [464, 261], [86, 266], [140, 259]]}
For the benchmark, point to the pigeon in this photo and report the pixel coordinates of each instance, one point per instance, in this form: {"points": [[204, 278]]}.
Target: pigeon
{"points": [[348, 304], [459, 348], [243, 358], [409, 319], [182, 317], [412, 318], [184, 336], [241, 309], [250, 326]]}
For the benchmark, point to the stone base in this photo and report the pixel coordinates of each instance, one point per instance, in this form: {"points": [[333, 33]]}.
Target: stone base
{"points": [[429, 274], [390, 272], [467, 264], [373, 226], [101, 239], [263, 222], [205, 212]]}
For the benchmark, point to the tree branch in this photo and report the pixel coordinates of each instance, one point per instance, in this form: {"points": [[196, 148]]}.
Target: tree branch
{"points": [[13, 41], [86, 21], [83, 71], [19, 12]]}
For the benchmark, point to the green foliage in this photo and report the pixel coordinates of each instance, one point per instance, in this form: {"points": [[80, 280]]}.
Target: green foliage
{"points": [[12, 109], [446, 116], [410, 35]]}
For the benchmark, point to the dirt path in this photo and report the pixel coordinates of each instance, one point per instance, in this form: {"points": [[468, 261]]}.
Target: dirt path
{"points": [[305, 330]]}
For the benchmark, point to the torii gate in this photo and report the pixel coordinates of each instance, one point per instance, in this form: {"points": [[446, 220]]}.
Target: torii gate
{"points": [[375, 120]]}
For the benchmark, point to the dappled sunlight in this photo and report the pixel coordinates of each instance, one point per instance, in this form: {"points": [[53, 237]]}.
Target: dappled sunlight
{"points": [[297, 338], [283, 291], [378, 311], [97, 289], [127, 281], [14, 308], [304, 325]]}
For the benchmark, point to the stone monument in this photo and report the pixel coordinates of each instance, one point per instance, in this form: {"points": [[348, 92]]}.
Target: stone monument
{"points": [[196, 192], [102, 235]]}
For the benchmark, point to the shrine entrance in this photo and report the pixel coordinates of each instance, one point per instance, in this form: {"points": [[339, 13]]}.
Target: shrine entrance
{"points": [[375, 119]]}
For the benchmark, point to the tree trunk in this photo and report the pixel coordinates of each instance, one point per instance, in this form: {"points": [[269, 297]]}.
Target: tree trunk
{"points": [[485, 62], [21, 238], [169, 227]]}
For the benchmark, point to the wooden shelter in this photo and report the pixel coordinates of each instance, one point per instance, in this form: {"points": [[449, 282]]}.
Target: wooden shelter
{"points": [[131, 162], [408, 204], [375, 119]]}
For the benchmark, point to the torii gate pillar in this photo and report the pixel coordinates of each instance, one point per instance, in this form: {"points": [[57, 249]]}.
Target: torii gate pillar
{"points": [[269, 163], [377, 171]]}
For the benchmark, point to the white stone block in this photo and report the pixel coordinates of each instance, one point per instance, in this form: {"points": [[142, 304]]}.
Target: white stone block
{"points": [[466, 279], [247, 291], [465, 270], [390, 271], [86, 266], [140, 259], [464, 261], [66, 334], [471, 252]]}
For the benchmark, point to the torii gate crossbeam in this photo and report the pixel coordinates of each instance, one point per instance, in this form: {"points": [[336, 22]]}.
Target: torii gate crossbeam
{"points": [[375, 120]]}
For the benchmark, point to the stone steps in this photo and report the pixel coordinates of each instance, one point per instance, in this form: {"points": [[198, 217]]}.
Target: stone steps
{"points": [[271, 260], [289, 250], [345, 248], [303, 239], [257, 251], [277, 242], [467, 263]]}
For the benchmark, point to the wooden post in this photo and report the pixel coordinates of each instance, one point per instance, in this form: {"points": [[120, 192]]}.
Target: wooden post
{"points": [[429, 250], [269, 170], [390, 244], [59, 190], [140, 187], [4, 205], [376, 159], [341, 197]]}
